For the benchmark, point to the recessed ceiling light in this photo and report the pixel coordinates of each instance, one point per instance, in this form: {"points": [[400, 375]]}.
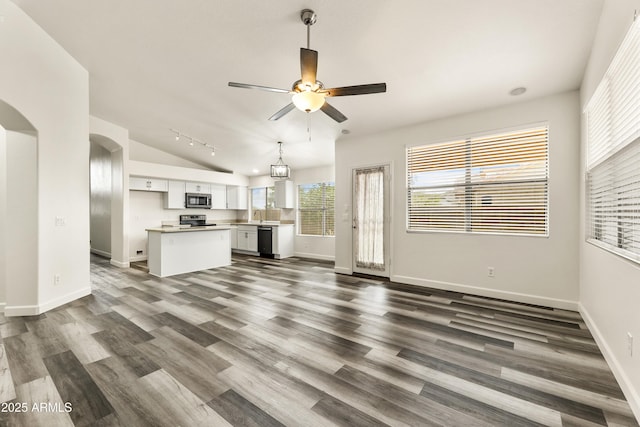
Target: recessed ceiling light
{"points": [[345, 131], [518, 91], [256, 171]]}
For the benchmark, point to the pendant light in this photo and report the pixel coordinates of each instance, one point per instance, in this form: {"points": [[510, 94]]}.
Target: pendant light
{"points": [[280, 170]]}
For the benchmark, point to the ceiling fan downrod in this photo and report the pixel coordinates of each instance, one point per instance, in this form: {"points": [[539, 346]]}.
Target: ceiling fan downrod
{"points": [[308, 18]]}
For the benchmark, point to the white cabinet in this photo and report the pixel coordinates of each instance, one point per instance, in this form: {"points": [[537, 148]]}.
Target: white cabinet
{"points": [[148, 184], [234, 237], [284, 194], [174, 198], [218, 196], [197, 187], [237, 197], [248, 238], [282, 240]]}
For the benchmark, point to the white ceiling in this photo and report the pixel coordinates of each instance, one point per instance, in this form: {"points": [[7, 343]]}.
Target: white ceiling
{"points": [[161, 64]]}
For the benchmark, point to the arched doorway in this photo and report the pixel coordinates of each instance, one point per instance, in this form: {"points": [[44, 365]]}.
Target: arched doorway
{"points": [[109, 194], [18, 208]]}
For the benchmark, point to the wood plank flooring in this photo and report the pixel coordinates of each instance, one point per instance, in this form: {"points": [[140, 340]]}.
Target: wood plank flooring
{"points": [[288, 342]]}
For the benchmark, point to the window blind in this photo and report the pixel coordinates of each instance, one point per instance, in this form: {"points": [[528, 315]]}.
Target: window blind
{"points": [[613, 153], [490, 184], [316, 209]]}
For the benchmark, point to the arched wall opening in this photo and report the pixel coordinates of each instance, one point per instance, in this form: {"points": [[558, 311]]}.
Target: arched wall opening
{"points": [[109, 191], [18, 208]]}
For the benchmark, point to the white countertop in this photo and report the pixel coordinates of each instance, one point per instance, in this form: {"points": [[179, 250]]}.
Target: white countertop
{"points": [[189, 229], [264, 223]]}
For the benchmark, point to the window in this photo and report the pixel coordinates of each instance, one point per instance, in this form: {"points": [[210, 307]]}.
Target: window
{"points": [[263, 204], [491, 184], [316, 209], [613, 153]]}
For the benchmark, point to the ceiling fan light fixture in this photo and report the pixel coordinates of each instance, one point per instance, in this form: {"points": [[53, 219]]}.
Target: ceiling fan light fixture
{"points": [[308, 101]]}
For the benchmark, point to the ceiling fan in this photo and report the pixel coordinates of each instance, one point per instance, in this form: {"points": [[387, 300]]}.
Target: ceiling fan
{"points": [[308, 93]]}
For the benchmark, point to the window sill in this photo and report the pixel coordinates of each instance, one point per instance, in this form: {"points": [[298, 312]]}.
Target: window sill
{"points": [[629, 256]]}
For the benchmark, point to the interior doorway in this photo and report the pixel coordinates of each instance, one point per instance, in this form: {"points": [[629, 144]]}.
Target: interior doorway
{"points": [[18, 209], [370, 236]]}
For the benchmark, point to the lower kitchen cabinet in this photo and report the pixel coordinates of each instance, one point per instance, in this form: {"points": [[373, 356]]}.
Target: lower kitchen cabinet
{"points": [[283, 241], [248, 238], [234, 237]]}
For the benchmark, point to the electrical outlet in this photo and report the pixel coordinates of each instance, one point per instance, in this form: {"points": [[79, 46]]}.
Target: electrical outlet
{"points": [[491, 272], [630, 344], [56, 279]]}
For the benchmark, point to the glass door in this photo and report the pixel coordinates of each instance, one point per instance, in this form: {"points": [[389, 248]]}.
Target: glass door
{"points": [[371, 220]]}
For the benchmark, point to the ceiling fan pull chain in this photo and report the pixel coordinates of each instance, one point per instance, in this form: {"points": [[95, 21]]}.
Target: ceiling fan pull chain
{"points": [[308, 128]]}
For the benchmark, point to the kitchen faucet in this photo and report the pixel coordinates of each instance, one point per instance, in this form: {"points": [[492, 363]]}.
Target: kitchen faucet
{"points": [[259, 215]]}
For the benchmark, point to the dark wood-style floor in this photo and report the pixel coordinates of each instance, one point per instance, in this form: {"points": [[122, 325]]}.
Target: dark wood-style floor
{"points": [[268, 342]]}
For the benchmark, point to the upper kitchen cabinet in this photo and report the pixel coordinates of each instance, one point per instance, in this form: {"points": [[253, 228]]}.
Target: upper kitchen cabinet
{"points": [[237, 197], [148, 184], [174, 199], [198, 187], [284, 194], [218, 196]]}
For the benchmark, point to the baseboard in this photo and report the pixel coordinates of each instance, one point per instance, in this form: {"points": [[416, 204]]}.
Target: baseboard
{"points": [[630, 392], [100, 252], [34, 310], [119, 264], [2, 307], [314, 256], [243, 252], [343, 270], [491, 293], [138, 258]]}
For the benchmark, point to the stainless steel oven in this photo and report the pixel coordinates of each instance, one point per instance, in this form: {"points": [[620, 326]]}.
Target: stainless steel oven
{"points": [[195, 200]]}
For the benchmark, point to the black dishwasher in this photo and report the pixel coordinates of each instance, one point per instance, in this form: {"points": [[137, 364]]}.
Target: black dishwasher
{"points": [[265, 241]]}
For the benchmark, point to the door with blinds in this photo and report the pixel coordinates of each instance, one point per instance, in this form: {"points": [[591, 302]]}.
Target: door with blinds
{"points": [[371, 220]]}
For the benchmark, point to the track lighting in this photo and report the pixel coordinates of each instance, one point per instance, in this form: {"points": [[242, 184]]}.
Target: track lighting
{"points": [[192, 141]]}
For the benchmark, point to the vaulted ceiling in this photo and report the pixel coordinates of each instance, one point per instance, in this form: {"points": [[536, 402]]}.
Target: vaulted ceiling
{"points": [[157, 65]]}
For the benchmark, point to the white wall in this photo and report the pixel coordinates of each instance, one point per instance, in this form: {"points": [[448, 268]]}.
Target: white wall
{"points": [[529, 269], [610, 285], [144, 153], [3, 217], [46, 85], [100, 222], [319, 247], [21, 217]]}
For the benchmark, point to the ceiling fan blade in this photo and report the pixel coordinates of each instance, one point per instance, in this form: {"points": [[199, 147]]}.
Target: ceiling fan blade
{"points": [[282, 111], [357, 90], [308, 65], [332, 112], [247, 86]]}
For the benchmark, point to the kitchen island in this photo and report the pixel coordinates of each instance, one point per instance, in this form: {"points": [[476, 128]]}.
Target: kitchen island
{"points": [[174, 250]]}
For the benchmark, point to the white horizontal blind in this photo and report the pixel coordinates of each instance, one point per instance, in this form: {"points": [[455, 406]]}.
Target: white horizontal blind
{"points": [[613, 155], [316, 209], [492, 184], [614, 202]]}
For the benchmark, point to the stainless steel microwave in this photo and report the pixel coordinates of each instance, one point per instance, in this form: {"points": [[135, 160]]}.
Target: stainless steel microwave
{"points": [[195, 200]]}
